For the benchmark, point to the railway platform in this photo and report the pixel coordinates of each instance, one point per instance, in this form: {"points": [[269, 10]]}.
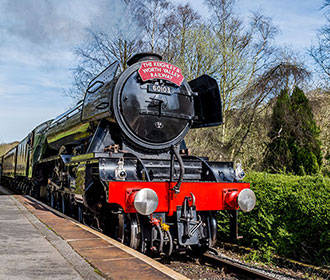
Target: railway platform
{"points": [[37, 242]]}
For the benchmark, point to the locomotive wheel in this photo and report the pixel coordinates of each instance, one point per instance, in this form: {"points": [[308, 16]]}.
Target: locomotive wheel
{"points": [[121, 227], [57, 200], [24, 189], [157, 239], [51, 199], [80, 216], [135, 232], [63, 204], [129, 230], [168, 243], [66, 207], [30, 191], [213, 226], [54, 201]]}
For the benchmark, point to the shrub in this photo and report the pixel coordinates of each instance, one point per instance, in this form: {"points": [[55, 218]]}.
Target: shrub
{"points": [[291, 217], [294, 136]]}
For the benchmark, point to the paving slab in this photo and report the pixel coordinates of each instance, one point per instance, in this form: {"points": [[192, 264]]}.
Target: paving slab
{"points": [[30, 250], [108, 257]]}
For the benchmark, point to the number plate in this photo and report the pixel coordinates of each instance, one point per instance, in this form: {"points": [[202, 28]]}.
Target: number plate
{"points": [[159, 89]]}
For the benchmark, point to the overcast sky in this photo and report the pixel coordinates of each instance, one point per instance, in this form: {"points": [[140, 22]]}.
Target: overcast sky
{"points": [[37, 39]]}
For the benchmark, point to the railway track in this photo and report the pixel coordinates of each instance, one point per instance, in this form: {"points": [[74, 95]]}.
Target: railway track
{"points": [[216, 267], [231, 267]]}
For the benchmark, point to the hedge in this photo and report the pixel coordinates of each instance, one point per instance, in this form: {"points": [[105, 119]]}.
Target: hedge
{"points": [[291, 217]]}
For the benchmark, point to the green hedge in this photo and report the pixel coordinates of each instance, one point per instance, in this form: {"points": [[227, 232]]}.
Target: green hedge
{"points": [[291, 217]]}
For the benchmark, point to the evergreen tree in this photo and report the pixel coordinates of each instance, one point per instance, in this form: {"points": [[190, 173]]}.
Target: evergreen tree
{"points": [[294, 145]]}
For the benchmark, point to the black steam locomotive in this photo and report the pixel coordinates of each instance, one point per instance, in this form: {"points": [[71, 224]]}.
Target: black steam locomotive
{"points": [[118, 161]]}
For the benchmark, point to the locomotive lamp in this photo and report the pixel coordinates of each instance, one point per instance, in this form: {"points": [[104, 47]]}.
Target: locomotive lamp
{"points": [[246, 200], [239, 173], [145, 201]]}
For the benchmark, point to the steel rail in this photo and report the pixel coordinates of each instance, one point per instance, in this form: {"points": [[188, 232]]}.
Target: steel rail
{"points": [[236, 268]]}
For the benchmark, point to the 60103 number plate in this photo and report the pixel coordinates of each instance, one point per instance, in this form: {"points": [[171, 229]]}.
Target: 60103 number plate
{"points": [[159, 89]]}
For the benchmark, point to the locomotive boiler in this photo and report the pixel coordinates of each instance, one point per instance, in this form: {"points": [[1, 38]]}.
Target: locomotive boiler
{"points": [[118, 161]]}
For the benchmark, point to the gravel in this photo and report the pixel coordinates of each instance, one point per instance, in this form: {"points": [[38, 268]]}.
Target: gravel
{"points": [[193, 269], [281, 268]]}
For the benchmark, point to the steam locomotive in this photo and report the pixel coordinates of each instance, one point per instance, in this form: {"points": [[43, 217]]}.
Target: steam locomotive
{"points": [[118, 161]]}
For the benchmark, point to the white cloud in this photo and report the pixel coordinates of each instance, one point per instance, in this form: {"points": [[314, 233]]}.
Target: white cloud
{"points": [[36, 43]]}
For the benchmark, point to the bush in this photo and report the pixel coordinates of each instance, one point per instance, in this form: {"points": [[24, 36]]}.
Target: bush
{"points": [[294, 136], [291, 217]]}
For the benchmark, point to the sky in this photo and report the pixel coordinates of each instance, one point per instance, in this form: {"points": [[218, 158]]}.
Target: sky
{"points": [[38, 38]]}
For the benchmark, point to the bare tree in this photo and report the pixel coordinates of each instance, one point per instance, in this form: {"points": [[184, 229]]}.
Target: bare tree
{"points": [[320, 52], [320, 102], [186, 19], [178, 28], [200, 52], [152, 18], [262, 92], [101, 50], [243, 53], [169, 43], [247, 126], [104, 45]]}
